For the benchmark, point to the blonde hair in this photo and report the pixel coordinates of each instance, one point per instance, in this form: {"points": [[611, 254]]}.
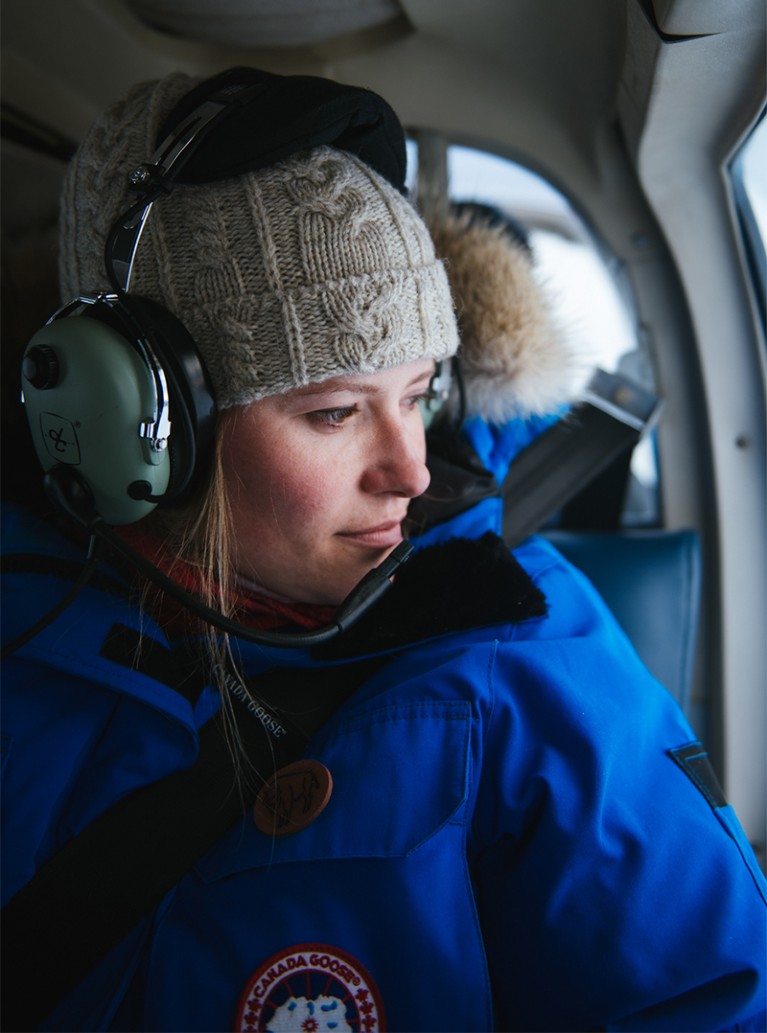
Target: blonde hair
{"points": [[199, 534]]}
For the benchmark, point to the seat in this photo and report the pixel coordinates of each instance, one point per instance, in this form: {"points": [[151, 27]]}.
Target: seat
{"points": [[651, 580]]}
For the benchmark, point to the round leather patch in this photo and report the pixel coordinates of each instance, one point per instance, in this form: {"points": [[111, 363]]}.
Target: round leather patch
{"points": [[292, 798]]}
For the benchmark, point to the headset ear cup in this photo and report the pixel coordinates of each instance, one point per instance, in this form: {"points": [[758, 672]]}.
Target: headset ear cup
{"points": [[192, 406], [89, 397], [92, 379]]}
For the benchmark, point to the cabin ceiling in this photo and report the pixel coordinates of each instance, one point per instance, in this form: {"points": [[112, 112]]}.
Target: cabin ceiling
{"points": [[93, 49], [259, 23], [511, 70], [547, 80], [506, 71]]}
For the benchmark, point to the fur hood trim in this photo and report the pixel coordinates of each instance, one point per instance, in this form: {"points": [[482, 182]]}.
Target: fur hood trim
{"points": [[516, 361]]}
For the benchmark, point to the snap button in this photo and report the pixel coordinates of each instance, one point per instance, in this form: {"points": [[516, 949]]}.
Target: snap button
{"points": [[292, 798]]}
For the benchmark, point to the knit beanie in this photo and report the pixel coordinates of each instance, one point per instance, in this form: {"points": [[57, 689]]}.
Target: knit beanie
{"points": [[308, 269]]}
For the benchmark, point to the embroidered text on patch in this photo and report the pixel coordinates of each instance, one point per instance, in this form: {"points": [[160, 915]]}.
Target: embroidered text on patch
{"points": [[311, 988]]}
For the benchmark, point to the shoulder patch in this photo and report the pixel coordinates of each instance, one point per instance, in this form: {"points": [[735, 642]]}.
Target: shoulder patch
{"points": [[695, 763], [311, 988]]}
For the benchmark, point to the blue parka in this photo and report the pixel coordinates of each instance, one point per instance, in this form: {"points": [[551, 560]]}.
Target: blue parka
{"points": [[521, 833]]}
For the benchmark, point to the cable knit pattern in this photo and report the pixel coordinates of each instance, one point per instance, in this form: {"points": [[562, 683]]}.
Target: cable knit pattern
{"points": [[309, 269]]}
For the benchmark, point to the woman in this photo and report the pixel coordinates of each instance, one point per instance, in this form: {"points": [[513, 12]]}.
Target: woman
{"points": [[496, 827]]}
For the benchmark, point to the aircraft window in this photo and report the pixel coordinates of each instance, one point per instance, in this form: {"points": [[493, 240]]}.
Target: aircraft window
{"points": [[749, 180], [590, 301]]}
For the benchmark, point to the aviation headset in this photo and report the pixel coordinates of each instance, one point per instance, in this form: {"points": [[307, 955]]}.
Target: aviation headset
{"points": [[115, 390], [117, 397]]}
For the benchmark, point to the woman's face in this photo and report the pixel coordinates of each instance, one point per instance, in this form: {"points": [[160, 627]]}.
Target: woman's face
{"points": [[319, 480]]}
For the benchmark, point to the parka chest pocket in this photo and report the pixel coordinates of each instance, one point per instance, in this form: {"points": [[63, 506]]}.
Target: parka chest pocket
{"points": [[400, 775]]}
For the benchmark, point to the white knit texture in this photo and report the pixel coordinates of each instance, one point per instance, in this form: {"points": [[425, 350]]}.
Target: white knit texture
{"points": [[312, 268]]}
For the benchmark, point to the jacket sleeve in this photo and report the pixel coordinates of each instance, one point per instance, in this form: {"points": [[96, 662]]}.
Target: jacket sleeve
{"points": [[616, 888]]}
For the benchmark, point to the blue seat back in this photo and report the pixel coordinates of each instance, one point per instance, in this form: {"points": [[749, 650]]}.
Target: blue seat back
{"points": [[651, 580]]}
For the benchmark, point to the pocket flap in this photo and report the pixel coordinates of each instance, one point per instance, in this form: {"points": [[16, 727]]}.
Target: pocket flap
{"points": [[400, 774]]}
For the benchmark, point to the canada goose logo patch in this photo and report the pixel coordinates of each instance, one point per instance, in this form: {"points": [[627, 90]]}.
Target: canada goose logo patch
{"points": [[311, 988]]}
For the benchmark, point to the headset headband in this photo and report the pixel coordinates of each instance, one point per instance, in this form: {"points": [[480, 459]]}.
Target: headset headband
{"points": [[288, 113], [248, 120]]}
